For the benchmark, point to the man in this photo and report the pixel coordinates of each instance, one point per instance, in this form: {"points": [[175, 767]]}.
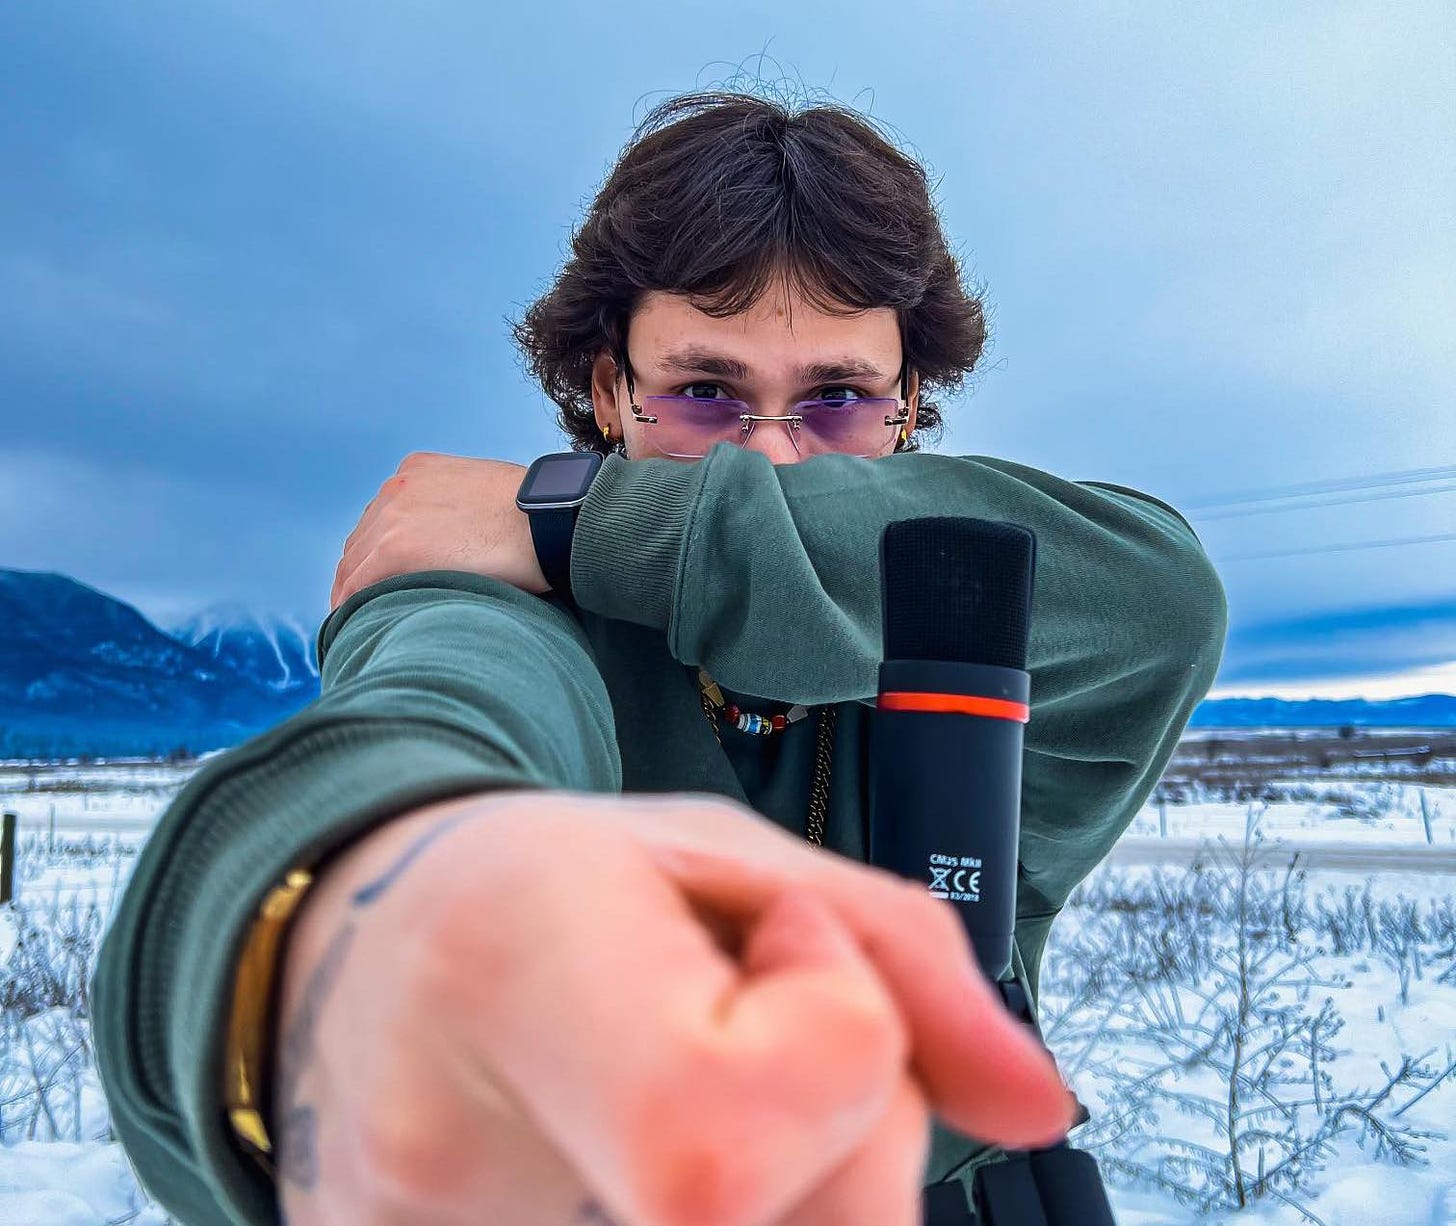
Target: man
{"points": [[517, 987]]}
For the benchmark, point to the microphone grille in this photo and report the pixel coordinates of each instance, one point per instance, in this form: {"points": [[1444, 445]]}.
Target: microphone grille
{"points": [[957, 588]]}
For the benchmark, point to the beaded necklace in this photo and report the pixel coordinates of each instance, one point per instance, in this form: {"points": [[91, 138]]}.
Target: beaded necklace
{"points": [[766, 725]]}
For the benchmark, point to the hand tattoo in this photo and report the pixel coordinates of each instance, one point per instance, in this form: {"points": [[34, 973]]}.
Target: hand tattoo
{"points": [[297, 1124], [297, 1155], [376, 888]]}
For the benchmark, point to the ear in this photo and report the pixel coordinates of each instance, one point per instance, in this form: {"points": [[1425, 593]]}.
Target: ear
{"points": [[914, 391], [605, 381]]}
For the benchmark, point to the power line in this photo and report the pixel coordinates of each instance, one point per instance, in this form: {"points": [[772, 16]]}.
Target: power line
{"points": [[1331, 502], [1290, 553], [1367, 481]]}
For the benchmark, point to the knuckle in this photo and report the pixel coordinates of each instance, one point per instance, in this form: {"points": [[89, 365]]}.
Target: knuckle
{"points": [[414, 460], [419, 1141], [684, 1134], [389, 548], [367, 573], [446, 934], [398, 1150], [382, 526], [686, 1184], [868, 1031], [671, 1164], [688, 1177]]}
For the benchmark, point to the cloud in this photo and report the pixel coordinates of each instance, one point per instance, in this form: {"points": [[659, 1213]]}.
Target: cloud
{"points": [[168, 543], [254, 254], [1345, 648]]}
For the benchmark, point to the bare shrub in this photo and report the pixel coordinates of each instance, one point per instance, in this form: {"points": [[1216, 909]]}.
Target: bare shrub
{"points": [[45, 1041], [1199, 998]]}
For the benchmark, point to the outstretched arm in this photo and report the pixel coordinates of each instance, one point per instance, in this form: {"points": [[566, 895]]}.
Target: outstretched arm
{"points": [[434, 685]]}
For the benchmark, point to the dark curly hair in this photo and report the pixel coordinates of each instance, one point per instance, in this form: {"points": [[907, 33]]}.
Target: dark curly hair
{"points": [[721, 191]]}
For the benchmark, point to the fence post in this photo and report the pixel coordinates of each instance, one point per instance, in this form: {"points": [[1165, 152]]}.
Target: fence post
{"points": [[7, 856]]}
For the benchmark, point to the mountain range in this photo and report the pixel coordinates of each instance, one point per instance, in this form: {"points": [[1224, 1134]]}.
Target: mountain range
{"points": [[1414, 711], [85, 674]]}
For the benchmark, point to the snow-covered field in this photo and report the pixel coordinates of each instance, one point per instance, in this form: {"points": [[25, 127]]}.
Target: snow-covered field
{"points": [[1324, 999]]}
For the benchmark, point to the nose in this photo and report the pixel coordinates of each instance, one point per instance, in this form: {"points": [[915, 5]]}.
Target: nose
{"points": [[773, 439]]}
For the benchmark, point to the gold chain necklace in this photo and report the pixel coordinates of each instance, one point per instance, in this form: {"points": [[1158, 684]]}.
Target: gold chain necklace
{"points": [[767, 725]]}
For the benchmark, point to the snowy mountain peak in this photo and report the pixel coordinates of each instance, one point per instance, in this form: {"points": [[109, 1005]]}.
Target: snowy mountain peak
{"points": [[84, 673], [276, 650]]}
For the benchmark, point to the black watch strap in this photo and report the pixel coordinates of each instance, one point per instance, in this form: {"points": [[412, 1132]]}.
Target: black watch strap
{"points": [[551, 532]]}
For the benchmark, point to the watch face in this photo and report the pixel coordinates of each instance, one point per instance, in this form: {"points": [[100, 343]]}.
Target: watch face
{"points": [[559, 480]]}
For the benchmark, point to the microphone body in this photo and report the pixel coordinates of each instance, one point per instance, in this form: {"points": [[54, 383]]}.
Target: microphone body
{"points": [[945, 789], [945, 799], [946, 733], [945, 750]]}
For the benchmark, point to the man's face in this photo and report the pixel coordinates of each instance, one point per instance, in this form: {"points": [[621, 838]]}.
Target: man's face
{"points": [[772, 341]]}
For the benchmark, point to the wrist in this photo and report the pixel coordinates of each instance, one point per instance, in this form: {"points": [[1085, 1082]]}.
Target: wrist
{"points": [[629, 538], [294, 924], [551, 494]]}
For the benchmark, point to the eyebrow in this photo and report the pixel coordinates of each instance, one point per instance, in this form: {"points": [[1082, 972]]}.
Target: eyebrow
{"points": [[697, 360]]}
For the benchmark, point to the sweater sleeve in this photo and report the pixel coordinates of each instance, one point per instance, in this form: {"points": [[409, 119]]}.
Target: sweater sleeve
{"points": [[768, 576], [434, 684]]}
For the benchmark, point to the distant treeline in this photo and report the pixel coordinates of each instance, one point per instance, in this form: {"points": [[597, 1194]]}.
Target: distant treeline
{"points": [[63, 744]]}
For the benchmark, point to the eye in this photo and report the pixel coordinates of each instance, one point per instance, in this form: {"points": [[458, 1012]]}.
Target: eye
{"points": [[688, 391], [840, 387], [854, 392]]}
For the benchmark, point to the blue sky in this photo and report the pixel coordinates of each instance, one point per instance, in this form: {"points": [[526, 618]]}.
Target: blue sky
{"points": [[253, 253]]}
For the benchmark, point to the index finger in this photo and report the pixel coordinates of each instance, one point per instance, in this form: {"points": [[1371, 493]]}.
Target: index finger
{"points": [[982, 1070]]}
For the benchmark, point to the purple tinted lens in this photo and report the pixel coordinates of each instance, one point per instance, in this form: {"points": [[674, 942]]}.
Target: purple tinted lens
{"points": [[691, 425], [856, 427]]}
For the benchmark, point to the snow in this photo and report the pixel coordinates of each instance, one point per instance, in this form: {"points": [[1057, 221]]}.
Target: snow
{"points": [[1395, 821], [60, 1166], [212, 629], [69, 1183], [1356, 1189]]}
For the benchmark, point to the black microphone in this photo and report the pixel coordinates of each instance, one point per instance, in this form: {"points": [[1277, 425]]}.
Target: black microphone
{"points": [[945, 800], [946, 734]]}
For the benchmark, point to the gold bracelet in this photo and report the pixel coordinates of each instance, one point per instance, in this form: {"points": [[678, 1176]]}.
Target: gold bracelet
{"points": [[248, 1038]]}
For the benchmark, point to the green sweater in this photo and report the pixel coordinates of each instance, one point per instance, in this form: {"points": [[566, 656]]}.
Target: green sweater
{"points": [[443, 683]]}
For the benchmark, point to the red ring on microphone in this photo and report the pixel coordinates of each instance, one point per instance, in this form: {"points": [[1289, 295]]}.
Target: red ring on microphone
{"points": [[959, 704]]}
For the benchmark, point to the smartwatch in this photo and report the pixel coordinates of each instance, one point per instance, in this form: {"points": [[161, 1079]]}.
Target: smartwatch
{"points": [[552, 493]]}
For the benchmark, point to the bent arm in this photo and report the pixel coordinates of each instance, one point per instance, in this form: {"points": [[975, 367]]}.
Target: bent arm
{"points": [[434, 685], [768, 576]]}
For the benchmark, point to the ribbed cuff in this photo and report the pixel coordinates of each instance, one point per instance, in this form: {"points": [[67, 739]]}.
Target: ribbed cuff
{"points": [[628, 545]]}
